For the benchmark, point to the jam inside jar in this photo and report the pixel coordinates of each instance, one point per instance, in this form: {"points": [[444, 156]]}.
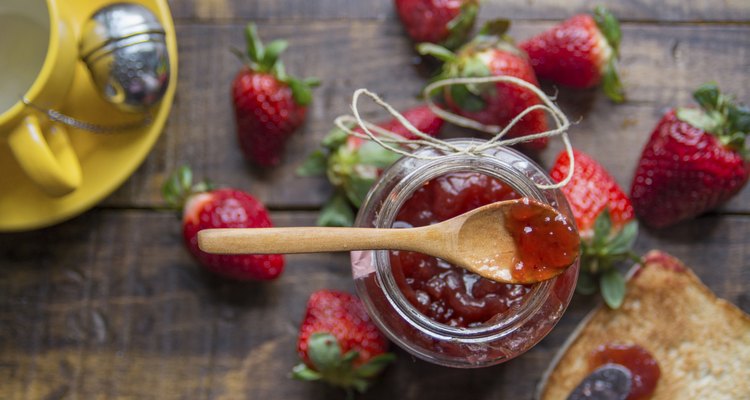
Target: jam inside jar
{"points": [[436, 311], [443, 292]]}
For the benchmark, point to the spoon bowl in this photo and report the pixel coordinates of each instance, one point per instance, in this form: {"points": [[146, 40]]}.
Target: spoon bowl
{"points": [[514, 241]]}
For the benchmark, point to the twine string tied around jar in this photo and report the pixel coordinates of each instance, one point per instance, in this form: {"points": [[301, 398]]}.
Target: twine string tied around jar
{"points": [[396, 143]]}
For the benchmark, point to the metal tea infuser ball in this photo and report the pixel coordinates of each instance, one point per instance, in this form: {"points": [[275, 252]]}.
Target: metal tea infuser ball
{"points": [[124, 48]]}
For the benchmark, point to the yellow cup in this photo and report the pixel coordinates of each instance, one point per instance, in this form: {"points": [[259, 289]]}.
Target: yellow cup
{"points": [[38, 54]]}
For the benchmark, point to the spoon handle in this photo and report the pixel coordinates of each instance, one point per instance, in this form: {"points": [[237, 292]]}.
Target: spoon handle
{"points": [[309, 240]]}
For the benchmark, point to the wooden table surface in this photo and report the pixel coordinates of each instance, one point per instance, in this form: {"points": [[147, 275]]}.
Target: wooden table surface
{"points": [[110, 304]]}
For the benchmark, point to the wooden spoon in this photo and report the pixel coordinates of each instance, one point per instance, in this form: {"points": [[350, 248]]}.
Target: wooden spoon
{"points": [[515, 241]]}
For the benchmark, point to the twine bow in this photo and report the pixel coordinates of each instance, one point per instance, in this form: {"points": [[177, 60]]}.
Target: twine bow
{"points": [[395, 142]]}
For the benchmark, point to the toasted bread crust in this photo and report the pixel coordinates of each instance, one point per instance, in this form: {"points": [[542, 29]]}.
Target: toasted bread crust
{"points": [[701, 342]]}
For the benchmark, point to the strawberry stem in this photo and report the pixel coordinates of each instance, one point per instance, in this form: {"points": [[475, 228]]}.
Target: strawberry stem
{"points": [[265, 59], [611, 83], [439, 52], [719, 116], [254, 45], [609, 27], [496, 27], [600, 255], [337, 369], [460, 26], [179, 186]]}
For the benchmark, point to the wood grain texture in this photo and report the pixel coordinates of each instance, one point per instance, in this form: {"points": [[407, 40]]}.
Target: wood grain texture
{"points": [[110, 305], [661, 65], [666, 10]]}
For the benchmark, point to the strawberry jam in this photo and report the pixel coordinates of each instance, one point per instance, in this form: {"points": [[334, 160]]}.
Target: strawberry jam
{"points": [[547, 242], [424, 304], [642, 365], [441, 291]]}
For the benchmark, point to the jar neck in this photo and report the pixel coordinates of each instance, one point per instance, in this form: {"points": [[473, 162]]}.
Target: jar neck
{"points": [[505, 164]]}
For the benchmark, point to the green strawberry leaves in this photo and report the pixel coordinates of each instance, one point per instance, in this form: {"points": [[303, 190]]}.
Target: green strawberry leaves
{"points": [[718, 115], [623, 242], [495, 28], [302, 89], [468, 101], [315, 164], [331, 366], [437, 51], [699, 119], [711, 116], [336, 212], [265, 59], [611, 84], [273, 51], [335, 138], [179, 186], [709, 97], [351, 168], [302, 93], [610, 29], [376, 365], [324, 352], [612, 285], [356, 188], [460, 26], [376, 155], [739, 117], [255, 48], [600, 256], [452, 66], [468, 63], [302, 372]]}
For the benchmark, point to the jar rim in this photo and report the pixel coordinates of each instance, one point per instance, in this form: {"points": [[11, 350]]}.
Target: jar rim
{"points": [[492, 162]]}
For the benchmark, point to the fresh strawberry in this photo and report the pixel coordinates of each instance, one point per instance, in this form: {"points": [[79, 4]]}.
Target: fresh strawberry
{"points": [[352, 164], [694, 161], [421, 117], [269, 105], [591, 191], [204, 208], [605, 220], [445, 22], [491, 53], [338, 343], [580, 52]]}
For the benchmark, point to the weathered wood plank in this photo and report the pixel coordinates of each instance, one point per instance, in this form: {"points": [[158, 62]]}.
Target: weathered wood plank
{"points": [[671, 10], [110, 305], [661, 66]]}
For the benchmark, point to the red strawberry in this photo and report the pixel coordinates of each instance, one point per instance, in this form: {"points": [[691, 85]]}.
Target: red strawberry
{"points": [[221, 208], [694, 161], [579, 52], [445, 22], [352, 164], [590, 191], [269, 105], [338, 343], [491, 54], [605, 220], [421, 117]]}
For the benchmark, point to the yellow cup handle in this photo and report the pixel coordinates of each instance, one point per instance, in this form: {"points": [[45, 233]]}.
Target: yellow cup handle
{"points": [[51, 163]]}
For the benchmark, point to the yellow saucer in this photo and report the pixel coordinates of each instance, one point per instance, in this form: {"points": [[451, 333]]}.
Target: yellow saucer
{"points": [[107, 160]]}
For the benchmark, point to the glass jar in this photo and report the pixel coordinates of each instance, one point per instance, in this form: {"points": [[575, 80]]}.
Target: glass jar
{"points": [[503, 337]]}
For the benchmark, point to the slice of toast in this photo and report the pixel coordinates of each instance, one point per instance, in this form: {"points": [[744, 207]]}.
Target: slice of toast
{"points": [[701, 342]]}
